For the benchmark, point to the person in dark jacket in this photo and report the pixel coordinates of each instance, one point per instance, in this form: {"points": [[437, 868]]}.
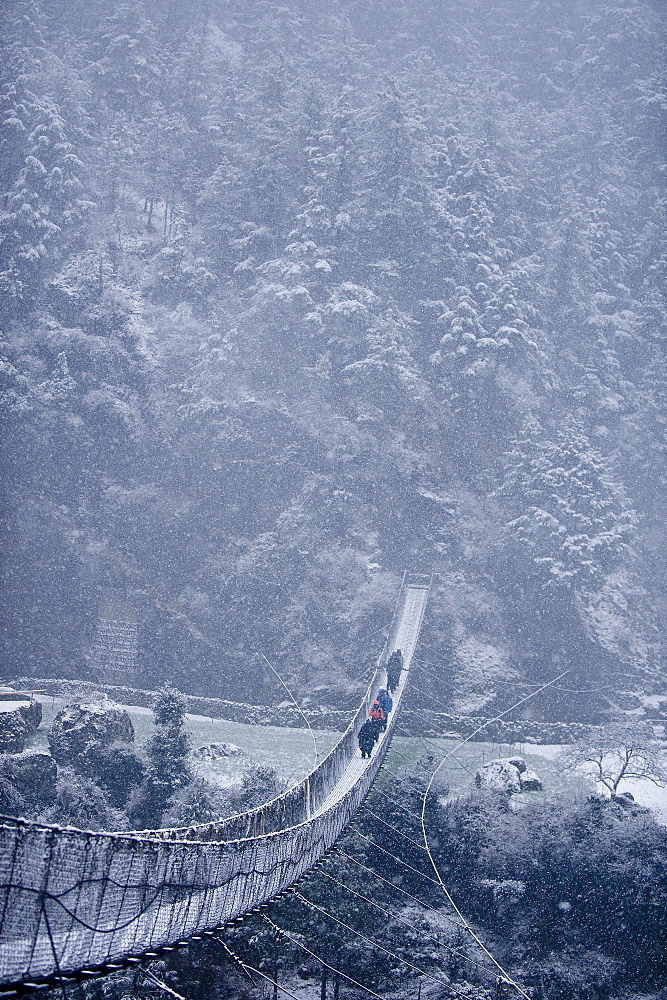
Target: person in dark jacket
{"points": [[366, 737], [395, 660], [394, 667], [386, 704]]}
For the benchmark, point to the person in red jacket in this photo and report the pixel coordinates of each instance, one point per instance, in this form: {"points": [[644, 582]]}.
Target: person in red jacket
{"points": [[377, 718]]}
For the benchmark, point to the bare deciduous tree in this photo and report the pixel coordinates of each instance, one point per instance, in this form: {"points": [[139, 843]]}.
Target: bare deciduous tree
{"points": [[618, 752]]}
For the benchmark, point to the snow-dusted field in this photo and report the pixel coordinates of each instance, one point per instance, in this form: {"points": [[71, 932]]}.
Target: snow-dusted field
{"points": [[292, 753], [457, 773]]}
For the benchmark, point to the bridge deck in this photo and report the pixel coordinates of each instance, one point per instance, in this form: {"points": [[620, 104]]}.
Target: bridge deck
{"points": [[404, 637]]}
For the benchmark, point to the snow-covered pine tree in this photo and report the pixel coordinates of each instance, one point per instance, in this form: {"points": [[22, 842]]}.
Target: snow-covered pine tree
{"points": [[567, 512]]}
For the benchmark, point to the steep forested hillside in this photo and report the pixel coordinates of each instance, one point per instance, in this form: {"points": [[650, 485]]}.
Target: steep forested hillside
{"points": [[296, 295]]}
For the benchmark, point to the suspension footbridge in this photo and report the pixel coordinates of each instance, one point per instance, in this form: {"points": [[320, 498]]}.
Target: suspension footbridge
{"points": [[72, 900]]}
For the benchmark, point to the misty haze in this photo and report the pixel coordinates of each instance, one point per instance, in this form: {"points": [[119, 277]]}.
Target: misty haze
{"points": [[333, 380]]}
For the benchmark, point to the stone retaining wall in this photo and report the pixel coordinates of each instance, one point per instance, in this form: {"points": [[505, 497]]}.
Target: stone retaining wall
{"points": [[413, 723], [426, 723], [232, 711]]}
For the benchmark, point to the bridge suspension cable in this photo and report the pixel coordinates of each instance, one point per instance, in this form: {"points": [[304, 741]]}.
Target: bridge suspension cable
{"points": [[331, 968], [405, 892], [296, 705], [409, 923], [497, 964], [395, 858], [395, 829], [250, 968], [374, 944], [160, 985]]}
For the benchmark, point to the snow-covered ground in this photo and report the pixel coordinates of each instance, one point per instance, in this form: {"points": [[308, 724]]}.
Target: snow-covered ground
{"points": [[292, 753], [457, 773], [645, 792]]}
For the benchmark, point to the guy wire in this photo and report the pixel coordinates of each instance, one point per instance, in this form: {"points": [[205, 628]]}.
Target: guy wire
{"points": [[426, 843], [331, 968], [297, 706]]}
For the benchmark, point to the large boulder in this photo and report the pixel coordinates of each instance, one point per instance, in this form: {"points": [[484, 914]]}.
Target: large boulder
{"points": [[509, 775], [499, 776], [18, 721], [33, 774], [12, 731], [625, 799], [80, 732]]}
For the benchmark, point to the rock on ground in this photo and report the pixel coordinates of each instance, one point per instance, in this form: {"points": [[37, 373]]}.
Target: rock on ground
{"points": [[625, 799], [518, 762], [530, 781], [508, 775], [215, 751], [79, 730]]}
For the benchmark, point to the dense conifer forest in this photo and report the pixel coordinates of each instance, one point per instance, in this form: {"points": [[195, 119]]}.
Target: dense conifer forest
{"points": [[297, 295]]}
